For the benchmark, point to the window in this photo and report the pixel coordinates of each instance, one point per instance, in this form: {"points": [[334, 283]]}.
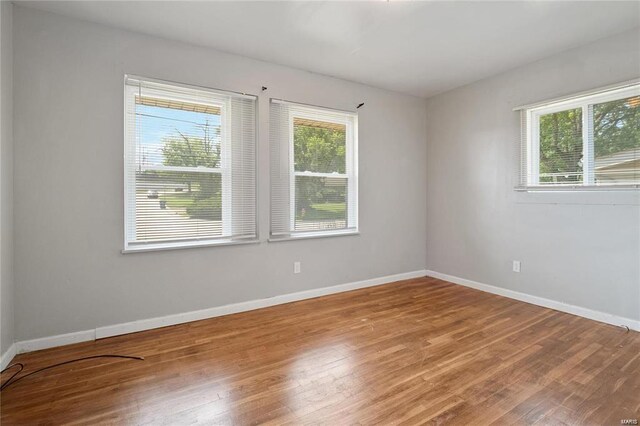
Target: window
{"points": [[314, 186], [590, 141], [189, 166]]}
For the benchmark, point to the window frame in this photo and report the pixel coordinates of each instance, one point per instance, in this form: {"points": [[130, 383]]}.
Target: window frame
{"points": [[220, 100], [532, 133], [282, 163], [349, 120]]}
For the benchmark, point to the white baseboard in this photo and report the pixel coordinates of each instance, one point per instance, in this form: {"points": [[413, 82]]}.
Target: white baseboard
{"points": [[57, 340], [7, 356], [148, 324], [541, 301]]}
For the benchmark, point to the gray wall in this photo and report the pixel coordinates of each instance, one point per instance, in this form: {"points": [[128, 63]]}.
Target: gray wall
{"points": [[69, 272], [6, 179], [578, 248]]}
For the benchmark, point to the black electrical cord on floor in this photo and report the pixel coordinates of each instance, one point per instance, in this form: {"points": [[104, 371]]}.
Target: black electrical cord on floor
{"points": [[18, 364]]}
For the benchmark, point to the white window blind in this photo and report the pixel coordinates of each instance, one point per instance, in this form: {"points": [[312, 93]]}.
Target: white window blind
{"points": [[589, 141], [314, 176], [189, 165]]}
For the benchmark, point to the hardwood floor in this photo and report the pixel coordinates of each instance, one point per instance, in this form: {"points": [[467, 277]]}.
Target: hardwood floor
{"points": [[413, 352]]}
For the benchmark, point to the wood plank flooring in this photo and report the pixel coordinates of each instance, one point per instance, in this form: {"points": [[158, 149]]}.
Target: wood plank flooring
{"points": [[413, 352]]}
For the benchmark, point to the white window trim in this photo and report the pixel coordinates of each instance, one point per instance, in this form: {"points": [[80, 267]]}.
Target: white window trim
{"points": [[132, 246], [316, 234], [585, 102], [351, 169], [188, 244]]}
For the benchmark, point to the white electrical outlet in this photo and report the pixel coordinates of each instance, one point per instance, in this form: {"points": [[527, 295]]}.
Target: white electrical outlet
{"points": [[296, 267], [516, 266]]}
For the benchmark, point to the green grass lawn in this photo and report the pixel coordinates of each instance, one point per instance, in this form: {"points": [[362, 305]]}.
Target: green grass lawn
{"points": [[325, 211], [195, 208], [178, 200]]}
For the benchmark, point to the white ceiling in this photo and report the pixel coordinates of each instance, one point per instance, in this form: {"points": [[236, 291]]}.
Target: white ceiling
{"points": [[421, 48]]}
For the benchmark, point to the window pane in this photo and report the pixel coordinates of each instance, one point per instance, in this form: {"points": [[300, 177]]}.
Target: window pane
{"points": [[175, 137], [616, 138], [319, 146], [179, 204], [175, 205], [561, 147], [321, 203]]}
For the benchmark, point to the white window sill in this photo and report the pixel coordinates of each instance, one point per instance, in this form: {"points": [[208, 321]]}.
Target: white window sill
{"points": [[577, 188], [186, 245], [309, 235], [595, 195]]}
